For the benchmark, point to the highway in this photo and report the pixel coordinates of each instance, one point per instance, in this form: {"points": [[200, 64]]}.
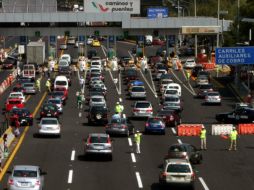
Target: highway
{"points": [[63, 160]]}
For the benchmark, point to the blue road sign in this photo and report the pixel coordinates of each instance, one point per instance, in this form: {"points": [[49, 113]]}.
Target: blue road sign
{"points": [[234, 55], [157, 12], [22, 39], [171, 40], [52, 39], [111, 38], [141, 38], [81, 38]]}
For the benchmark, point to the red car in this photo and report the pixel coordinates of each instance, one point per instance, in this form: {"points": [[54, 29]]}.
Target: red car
{"points": [[158, 42], [13, 102], [23, 115], [170, 117]]}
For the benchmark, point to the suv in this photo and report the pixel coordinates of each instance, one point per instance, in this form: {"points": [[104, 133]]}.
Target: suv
{"points": [[98, 143], [177, 171], [185, 151], [142, 109], [26, 177], [98, 114]]}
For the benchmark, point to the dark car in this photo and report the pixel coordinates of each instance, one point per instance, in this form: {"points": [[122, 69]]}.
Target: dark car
{"points": [[185, 151], [91, 53], [9, 63], [49, 110], [22, 114], [29, 88], [97, 75], [130, 74], [170, 117], [203, 90], [196, 70], [97, 115], [155, 125], [59, 94], [119, 127], [64, 71], [95, 92], [239, 115]]}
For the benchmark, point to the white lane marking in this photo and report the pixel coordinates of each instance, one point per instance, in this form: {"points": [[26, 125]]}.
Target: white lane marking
{"points": [[193, 93], [120, 100], [73, 152], [113, 82], [80, 114], [130, 142], [130, 54], [140, 185], [133, 158], [150, 73], [70, 176], [124, 116], [179, 141], [203, 183], [119, 83], [183, 71], [155, 94], [173, 130], [102, 47]]}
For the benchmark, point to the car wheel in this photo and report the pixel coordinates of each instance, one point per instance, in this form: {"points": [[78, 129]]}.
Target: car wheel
{"points": [[110, 157]]}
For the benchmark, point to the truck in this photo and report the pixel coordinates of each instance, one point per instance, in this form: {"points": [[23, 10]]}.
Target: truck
{"points": [[28, 71], [36, 52]]}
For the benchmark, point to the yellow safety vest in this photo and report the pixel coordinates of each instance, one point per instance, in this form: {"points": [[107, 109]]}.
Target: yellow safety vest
{"points": [[119, 109], [137, 137], [203, 134], [47, 84], [233, 135]]}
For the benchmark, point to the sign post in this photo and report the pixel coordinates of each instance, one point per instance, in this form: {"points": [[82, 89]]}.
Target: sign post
{"points": [[157, 12]]}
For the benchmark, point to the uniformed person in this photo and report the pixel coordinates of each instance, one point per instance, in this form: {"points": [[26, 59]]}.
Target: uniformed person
{"points": [[38, 84], [203, 138], [48, 85], [119, 108], [233, 137], [137, 140]]}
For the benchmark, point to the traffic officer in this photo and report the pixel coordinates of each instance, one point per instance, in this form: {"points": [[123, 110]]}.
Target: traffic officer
{"points": [[48, 85], [188, 75], [137, 140], [38, 84], [233, 137], [119, 108], [203, 138]]}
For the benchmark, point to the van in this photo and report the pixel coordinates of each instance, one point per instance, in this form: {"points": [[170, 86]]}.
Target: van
{"points": [[174, 86], [28, 71], [61, 82]]}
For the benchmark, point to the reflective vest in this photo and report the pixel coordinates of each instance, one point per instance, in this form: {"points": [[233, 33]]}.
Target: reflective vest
{"points": [[137, 138], [48, 84], [119, 109], [38, 82], [203, 134], [233, 135], [188, 75]]}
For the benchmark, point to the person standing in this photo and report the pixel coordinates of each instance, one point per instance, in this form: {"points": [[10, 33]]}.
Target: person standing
{"points": [[188, 75], [81, 82], [38, 84], [203, 138], [233, 137], [48, 85], [137, 139]]}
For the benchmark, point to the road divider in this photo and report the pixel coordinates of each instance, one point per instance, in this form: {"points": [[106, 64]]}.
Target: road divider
{"points": [[133, 158], [246, 129], [70, 176], [140, 185], [189, 129], [73, 152], [222, 129]]}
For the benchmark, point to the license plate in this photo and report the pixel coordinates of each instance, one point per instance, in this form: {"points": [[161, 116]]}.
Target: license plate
{"points": [[48, 114], [24, 184], [178, 178], [99, 147]]}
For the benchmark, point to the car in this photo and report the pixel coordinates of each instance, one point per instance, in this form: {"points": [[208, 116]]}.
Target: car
{"points": [[94, 82], [135, 83], [171, 117], [158, 41], [130, 74], [241, 105], [167, 105], [185, 151], [27, 177], [66, 57], [13, 102], [49, 110], [18, 95], [96, 43], [202, 80], [124, 60], [58, 102], [98, 115], [204, 89], [196, 70], [168, 93], [119, 127], [155, 125], [161, 69], [71, 40], [190, 64], [62, 65], [213, 98], [23, 115], [239, 115], [205, 73], [177, 171], [98, 91], [98, 144], [175, 86], [49, 126], [96, 64], [95, 75], [137, 92], [169, 98], [97, 100], [18, 88], [91, 53], [29, 88], [9, 63], [62, 94], [142, 109]]}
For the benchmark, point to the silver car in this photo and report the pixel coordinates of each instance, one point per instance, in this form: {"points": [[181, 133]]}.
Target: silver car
{"points": [[177, 171], [201, 80], [58, 102], [98, 144], [213, 98], [138, 92], [97, 100], [26, 177], [49, 126], [142, 109], [29, 88]]}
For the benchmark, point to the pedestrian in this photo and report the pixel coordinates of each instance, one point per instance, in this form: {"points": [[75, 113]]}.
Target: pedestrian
{"points": [[38, 84], [233, 137], [137, 140], [81, 82], [17, 126], [48, 85], [188, 76], [5, 143], [203, 138]]}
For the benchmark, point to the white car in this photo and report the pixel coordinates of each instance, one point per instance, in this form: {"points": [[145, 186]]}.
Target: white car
{"points": [[89, 41], [97, 100], [176, 87], [66, 57], [96, 64], [169, 92], [18, 95], [49, 126], [190, 63], [213, 98]]}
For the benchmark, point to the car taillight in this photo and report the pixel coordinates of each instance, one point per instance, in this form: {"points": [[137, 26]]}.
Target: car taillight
{"points": [[124, 126], [42, 113], [171, 118], [109, 141], [135, 110], [149, 110], [147, 124], [31, 115], [163, 175], [38, 183], [11, 182]]}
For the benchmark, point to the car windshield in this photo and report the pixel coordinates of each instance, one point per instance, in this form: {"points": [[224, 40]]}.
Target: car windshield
{"points": [[15, 102], [58, 82], [20, 111], [171, 92], [143, 105], [49, 122], [131, 72], [98, 139], [49, 107], [138, 89], [177, 148], [208, 86], [169, 105], [63, 64], [165, 112], [28, 85], [154, 121], [118, 121], [95, 63], [97, 99], [98, 108], [55, 101], [171, 99], [58, 93], [213, 94], [178, 168], [24, 173]]}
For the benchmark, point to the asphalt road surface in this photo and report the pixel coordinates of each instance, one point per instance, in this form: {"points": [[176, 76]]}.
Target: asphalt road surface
{"points": [[63, 160]]}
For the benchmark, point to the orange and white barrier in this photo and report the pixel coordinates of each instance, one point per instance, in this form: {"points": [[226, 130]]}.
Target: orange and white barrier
{"points": [[221, 129], [246, 129], [189, 129]]}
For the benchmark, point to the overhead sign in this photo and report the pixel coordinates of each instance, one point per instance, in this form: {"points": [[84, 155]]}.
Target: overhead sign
{"points": [[235, 55], [111, 38], [21, 49], [157, 12], [112, 6], [200, 29]]}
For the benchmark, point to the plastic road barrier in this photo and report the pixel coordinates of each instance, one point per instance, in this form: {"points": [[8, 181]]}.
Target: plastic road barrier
{"points": [[189, 129], [245, 129], [222, 129]]}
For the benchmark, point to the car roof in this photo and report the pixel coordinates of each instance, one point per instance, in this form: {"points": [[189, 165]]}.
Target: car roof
{"points": [[49, 118], [26, 167], [177, 161], [98, 134]]}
